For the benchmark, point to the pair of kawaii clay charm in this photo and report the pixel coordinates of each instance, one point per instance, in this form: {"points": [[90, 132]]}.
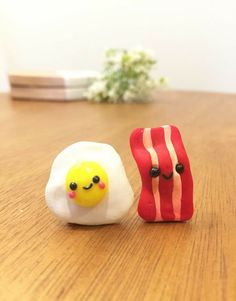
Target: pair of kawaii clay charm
{"points": [[88, 184]]}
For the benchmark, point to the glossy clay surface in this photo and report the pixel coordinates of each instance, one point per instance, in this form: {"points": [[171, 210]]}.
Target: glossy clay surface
{"points": [[81, 162]]}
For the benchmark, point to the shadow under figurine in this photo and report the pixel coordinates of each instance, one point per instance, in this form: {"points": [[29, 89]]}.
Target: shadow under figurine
{"points": [[88, 185], [167, 185]]}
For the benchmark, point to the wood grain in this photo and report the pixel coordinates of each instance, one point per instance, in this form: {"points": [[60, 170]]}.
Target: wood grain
{"points": [[58, 94], [50, 79], [44, 259]]}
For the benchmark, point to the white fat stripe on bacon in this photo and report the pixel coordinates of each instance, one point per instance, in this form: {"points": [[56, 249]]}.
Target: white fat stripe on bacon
{"points": [[147, 142], [177, 187]]}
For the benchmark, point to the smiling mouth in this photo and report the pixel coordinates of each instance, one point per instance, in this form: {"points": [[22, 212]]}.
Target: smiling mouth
{"points": [[167, 177], [88, 186]]}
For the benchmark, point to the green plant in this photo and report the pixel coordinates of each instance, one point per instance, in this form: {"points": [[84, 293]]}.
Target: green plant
{"points": [[125, 78]]}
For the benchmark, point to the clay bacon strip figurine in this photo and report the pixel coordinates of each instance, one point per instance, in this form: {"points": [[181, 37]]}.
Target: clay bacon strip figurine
{"points": [[167, 185]]}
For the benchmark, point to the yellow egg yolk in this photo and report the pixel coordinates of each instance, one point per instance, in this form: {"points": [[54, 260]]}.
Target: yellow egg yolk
{"points": [[87, 183]]}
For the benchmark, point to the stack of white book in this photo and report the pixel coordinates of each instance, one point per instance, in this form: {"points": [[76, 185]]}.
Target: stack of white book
{"points": [[60, 85]]}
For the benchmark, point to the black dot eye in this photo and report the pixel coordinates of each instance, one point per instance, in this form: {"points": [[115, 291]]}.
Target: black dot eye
{"points": [[73, 186], [179, 168], [96, 179], [155, 172]]}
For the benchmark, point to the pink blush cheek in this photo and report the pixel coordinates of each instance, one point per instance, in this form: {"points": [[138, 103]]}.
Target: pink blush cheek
{"points": [[71, 194], [101, 185]]}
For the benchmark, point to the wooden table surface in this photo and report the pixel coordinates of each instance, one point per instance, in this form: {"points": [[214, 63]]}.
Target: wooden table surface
{"points": [[43, 259]]}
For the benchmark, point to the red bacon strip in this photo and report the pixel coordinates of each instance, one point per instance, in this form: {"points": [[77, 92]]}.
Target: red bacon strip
{"points": [[168, 197]]}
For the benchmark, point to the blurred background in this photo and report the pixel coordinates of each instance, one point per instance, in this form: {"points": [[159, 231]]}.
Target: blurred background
{"points": [[194, 41]]}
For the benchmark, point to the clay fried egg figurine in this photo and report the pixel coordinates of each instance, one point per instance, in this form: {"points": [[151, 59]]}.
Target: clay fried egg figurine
{"points": [[88, 185]]}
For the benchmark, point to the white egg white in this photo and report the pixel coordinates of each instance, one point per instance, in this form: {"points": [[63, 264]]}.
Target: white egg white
{"points": [[118, 199]]}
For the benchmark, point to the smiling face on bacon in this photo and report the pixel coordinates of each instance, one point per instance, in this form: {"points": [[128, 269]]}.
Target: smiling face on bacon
{"points": [[167, 186]]}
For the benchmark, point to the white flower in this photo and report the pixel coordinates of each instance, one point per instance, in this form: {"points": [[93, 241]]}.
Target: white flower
{"points": [[126, 77], [116, 59], [133, 58], [112, 94], [140, 68], [98, 87], [128, 96]]}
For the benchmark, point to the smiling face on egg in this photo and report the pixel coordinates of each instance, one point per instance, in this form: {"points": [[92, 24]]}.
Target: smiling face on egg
{"points": [[87, 184]]}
